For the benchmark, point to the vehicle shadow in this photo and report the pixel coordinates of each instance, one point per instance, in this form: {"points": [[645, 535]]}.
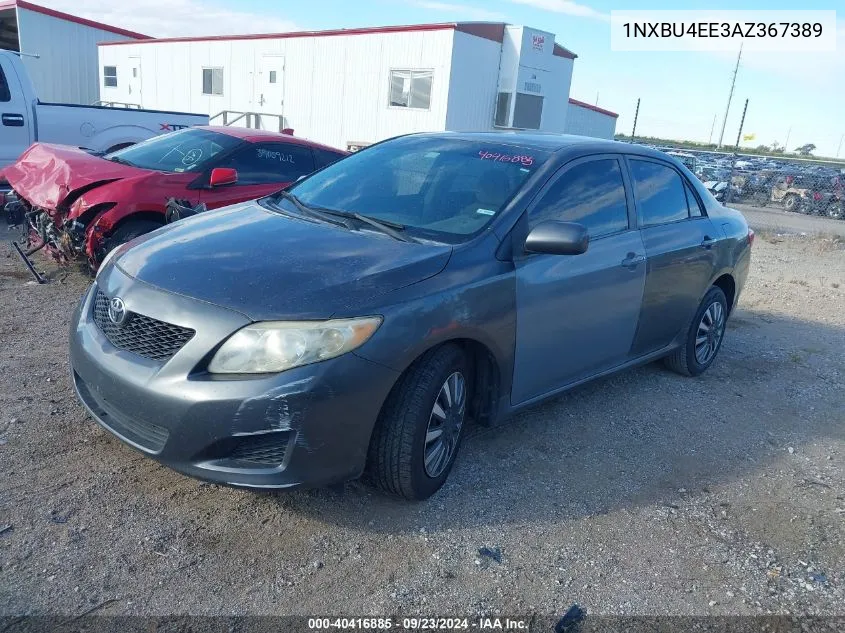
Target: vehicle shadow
{"points": [[630, 439]]}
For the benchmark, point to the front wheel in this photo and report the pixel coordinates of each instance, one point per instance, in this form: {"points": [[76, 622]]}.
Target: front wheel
{"points": [[420, 427], [704, 336], [127, 231]]}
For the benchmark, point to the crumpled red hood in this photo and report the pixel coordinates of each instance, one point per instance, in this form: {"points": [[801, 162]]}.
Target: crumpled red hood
{"points": [[46, 174]]}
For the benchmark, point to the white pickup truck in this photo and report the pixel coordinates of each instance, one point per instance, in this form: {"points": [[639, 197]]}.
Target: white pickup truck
{"points": [[24, 119]]}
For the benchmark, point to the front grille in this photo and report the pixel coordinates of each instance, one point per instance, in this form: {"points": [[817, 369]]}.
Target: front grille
{"points": [[140, 334], [266, 449]]}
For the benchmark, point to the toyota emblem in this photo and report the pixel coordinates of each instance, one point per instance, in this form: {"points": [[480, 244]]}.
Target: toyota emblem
{"points": [[117, 311]]}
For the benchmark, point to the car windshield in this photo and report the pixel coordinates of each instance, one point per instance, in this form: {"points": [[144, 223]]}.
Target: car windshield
{"points": [[440, 188], [183, 151]]}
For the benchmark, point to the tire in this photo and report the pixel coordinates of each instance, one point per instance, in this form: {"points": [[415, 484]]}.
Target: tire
{"points": [[792, 203], [685, 359], [127, 231], [396, 462]]}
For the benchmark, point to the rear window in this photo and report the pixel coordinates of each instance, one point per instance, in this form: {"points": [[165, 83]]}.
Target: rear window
{"points": [[5, 94], [443, 188]]}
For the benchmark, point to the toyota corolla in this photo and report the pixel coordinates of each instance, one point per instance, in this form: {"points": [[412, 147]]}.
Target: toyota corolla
{"points": [[355, 322]]}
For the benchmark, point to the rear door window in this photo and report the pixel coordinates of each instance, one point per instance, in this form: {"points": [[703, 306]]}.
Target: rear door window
{"points": [[660, 193], [260, 163], [591, 193]]}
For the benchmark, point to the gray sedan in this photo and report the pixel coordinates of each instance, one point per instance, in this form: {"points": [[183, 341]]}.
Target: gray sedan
{"points": [[357, 321]]}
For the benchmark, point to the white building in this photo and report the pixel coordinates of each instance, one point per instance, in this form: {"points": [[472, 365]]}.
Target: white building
{"points": [[589, 120], [352, 87], [58, 50]]}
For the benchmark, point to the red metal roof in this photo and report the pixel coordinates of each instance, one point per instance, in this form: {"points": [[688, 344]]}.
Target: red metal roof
{"points": [[593, 108], [23, 4], [494, 31]]}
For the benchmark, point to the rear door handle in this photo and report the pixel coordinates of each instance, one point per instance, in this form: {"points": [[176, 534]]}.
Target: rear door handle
{"points": [[12, 120], [633, 260], [707, 242]]}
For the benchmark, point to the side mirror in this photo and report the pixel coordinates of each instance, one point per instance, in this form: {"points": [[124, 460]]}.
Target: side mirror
{"points": [[557, 238], [222, 176]]}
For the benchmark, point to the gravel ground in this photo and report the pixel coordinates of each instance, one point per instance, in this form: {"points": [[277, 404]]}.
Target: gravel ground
{"points": [[645, 493]]}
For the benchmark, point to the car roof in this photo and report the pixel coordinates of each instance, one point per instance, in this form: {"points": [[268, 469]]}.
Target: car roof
{"points": [[256, 136], [550, 142]]}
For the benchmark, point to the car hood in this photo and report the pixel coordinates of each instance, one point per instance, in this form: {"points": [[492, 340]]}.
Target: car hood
{"points": [[53, 176], [270, 266]]}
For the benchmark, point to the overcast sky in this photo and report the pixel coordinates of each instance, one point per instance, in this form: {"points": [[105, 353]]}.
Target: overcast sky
{"points": [[799, 95]]}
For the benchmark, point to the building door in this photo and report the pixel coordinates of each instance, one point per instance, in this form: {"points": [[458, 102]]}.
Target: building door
{"points": [[270, 89], [133, 85]]}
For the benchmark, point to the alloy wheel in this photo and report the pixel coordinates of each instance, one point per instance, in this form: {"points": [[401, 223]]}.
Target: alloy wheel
{"points": [[709, 334], [444, 424]]}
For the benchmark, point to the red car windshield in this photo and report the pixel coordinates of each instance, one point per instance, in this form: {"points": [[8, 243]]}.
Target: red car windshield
{"points": [[183, 151]]}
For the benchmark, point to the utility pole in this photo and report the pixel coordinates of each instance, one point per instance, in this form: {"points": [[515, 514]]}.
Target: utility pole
{"points": [[597, 98], [840, 145], [636, 115], [730, 96], [712, 127], [786, 144], [741, 123]]}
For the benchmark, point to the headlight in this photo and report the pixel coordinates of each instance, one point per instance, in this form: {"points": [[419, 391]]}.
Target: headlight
{"points": [[274, 346]]}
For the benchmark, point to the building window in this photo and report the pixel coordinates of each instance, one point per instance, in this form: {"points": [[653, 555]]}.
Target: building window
{"points": [[411, 88], [110, 76], [272, 79], [527, 111], [212, 81]]}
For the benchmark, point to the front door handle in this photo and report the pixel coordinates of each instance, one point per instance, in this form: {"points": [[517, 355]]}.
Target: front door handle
{"points": [[707, 242], [633, 260], [12, 120]]}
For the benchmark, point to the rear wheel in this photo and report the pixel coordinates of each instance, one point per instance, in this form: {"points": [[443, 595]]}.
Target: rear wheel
{"points": [[704, 336], [420, 427]]}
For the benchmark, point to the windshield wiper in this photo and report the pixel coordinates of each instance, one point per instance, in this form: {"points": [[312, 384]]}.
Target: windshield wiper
{"points": [[388, 228], [120, 161], [311, 211]]}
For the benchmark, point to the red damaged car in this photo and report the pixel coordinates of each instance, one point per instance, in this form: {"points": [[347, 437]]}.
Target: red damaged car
{"points": [[72, 202]]}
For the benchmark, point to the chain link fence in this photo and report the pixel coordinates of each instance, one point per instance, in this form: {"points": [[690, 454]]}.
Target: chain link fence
{"points": [[795, 185]]}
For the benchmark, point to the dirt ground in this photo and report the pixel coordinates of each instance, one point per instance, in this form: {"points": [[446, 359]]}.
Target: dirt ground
{"points": [[645, 493]]}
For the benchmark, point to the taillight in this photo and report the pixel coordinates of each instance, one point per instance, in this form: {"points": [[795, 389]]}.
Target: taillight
{"points": [[750, 237]]}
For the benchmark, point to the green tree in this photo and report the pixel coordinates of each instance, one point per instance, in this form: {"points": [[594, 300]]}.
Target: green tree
{"points": [[805, 150]]}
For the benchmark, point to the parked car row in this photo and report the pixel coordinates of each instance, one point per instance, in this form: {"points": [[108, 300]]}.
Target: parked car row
{"points": [[792, 185]]}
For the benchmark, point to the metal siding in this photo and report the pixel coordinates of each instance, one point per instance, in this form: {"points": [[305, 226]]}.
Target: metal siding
{"points": [[473, 83], [335, 91], [556, 106], [586, 122], [66, 69]]}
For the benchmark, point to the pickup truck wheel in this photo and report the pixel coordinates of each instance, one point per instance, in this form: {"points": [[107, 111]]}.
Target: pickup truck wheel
{"points": [[127, 231], [420, 426], [704, 336]]}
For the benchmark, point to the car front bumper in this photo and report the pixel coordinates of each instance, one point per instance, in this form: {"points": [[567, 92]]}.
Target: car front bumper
{"points": [[307, 426]]}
